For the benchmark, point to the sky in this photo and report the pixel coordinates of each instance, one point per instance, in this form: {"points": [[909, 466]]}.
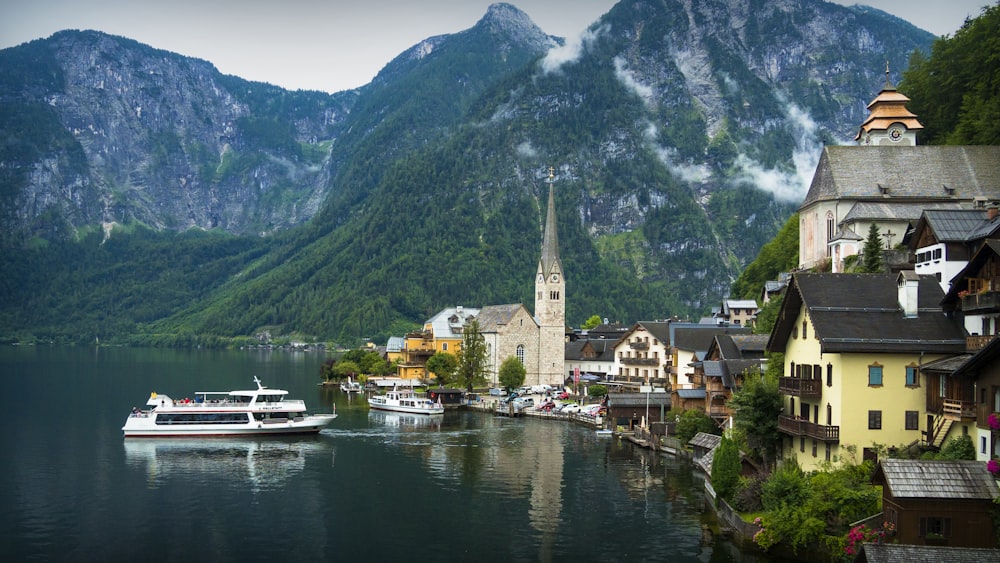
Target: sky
{"points": [[335, 45]]}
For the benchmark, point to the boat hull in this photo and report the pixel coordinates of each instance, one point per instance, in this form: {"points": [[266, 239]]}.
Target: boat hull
{"points": [[405, 409], [137, 427]]}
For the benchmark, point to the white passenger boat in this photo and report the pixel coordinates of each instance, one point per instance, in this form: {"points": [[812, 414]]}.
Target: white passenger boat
{"points": [[256, 412], [350, 386], [404, 401]]}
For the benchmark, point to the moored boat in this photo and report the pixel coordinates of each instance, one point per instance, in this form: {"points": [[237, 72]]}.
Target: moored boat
{"points": [[256, 412], [350, 386], [404, 401]]}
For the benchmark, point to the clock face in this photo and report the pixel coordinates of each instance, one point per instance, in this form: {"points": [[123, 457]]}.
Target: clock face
{"points": [[555, 277], [895, 133]]}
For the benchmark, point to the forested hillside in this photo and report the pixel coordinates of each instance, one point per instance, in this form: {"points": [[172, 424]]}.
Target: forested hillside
{"points": [[955, 92], [680, 132]]}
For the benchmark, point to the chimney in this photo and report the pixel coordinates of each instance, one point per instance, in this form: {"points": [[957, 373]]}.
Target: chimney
{"points": [[908, 282], [992, 212]]}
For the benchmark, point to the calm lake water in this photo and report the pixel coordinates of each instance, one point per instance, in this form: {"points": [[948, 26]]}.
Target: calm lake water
{"points": [[372, 487]]}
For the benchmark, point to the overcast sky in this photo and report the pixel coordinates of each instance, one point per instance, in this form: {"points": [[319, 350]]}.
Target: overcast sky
{"points": [[334, 45]]}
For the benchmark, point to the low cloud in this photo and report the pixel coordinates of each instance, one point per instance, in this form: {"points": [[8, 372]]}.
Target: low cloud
{"points": [[628, 80], [687, 172], [525, 149], [788, 185], [571, 51]]}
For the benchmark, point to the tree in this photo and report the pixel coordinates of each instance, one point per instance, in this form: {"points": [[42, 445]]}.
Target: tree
{"points": [[872, 259], [472, 357], [958, 448], [591, 322], [694, 421], [511, 373], [726, 468], [756, 405], [443, 366]]}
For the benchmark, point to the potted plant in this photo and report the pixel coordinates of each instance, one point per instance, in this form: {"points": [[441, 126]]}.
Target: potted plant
{"points": [[934, 538]]}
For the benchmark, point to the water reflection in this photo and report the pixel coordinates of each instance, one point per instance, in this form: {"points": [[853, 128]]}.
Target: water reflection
{"points": [[406, 421], [264, 464]]}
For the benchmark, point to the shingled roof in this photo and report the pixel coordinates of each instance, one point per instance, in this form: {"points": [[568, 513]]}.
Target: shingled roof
{"points": [[861, 313], [957, 173], [936, 479], [900, 553]]}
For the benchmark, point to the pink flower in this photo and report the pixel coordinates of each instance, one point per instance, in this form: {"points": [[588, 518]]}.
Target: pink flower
{"points": [[994, 466], [994, 421]]}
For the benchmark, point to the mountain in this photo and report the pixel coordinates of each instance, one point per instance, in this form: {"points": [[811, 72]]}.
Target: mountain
{"points": [[681, 135]]}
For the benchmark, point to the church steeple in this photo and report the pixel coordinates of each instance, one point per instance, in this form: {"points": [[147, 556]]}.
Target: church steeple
{"points": [[889, 122], [550, 295], [550, 239]]}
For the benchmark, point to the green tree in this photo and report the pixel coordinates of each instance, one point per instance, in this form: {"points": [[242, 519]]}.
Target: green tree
{"points": [[757, 404], [956, 90], [958, 448], [726, 468], [443, 365], [693, 421], [872, 259], [472, 357], [511, 373], [779, 255], [591, 322]]}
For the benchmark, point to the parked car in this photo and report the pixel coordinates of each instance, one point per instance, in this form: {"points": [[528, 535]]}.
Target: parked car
{"points": [[496, 392], [568, 408], [562, 395], [525, 401]]}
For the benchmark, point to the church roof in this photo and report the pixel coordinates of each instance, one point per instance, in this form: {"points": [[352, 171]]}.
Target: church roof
{"points": [[921, 173], [550, 239], [893, 210], [492, 317], [887, 108]]}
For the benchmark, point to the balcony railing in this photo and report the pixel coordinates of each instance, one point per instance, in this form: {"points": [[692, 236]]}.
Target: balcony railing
{"points": [[640, 361], [801, 427], [798, 387], [977, 343], [987, 301], [638, 345], [959, 409]]}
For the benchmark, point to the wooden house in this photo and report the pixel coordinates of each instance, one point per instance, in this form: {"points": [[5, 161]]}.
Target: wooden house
{"points": [[629, 409], [937, 502]]}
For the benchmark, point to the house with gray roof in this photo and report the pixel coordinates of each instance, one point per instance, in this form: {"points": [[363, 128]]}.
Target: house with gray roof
{"points": [[853, 348], [944, 240], [938, 502]]}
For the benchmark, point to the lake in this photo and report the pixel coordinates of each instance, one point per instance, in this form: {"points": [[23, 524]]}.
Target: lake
{"points": [[371, 487]]}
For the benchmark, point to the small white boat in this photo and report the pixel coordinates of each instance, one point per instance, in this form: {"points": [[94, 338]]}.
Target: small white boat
{"points": [[350, 386], [256, 412], [404, 401], [605, 432]]}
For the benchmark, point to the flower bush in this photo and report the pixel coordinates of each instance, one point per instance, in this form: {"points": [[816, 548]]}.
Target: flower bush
{"points": [[862, 534], [994, 467], [994, 421]]}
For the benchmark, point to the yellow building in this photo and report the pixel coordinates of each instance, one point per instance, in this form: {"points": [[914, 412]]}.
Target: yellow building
{"points": [[854, 345]]}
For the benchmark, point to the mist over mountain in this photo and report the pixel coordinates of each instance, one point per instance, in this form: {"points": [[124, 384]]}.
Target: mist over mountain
{"points": [[681, 135]]}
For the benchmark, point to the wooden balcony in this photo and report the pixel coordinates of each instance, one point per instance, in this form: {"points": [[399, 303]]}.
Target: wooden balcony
{"points": [[638, 345], [976, 343], [640, 361], [800, 427], [798, 387], [983, 302], [959, 409]]}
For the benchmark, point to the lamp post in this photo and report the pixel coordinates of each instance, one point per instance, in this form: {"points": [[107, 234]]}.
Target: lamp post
{"points": [[647, 389]]}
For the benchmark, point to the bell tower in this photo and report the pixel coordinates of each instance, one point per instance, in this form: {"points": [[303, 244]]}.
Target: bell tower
{"points": [[550, 300], [889, 122]]}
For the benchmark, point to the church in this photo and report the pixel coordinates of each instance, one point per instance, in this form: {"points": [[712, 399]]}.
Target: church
{"points": [[538, 340], [887, 179]]}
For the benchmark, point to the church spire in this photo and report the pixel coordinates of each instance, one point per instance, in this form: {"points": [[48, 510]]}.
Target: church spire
{"points": [[889, 122], [550, 239]]}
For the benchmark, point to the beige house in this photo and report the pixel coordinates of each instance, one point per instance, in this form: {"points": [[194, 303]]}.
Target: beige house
{"points": [[854, 345], [643, 353]]}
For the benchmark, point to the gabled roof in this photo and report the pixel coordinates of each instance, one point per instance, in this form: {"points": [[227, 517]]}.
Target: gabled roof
{"points": [[658, 329], [990, 248], [449, 322], [989, 356], [924, 172], [861, 313], [492, 317], [894, 210], [951, 225], [936, 479], [639, 399], [738, 304], [902, 553], [395, 344], [705, 440], [747, 345], [698, 338]]}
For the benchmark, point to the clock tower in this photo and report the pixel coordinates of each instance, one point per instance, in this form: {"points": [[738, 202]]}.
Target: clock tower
{"points": [[889, 123], [550, 301]]}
